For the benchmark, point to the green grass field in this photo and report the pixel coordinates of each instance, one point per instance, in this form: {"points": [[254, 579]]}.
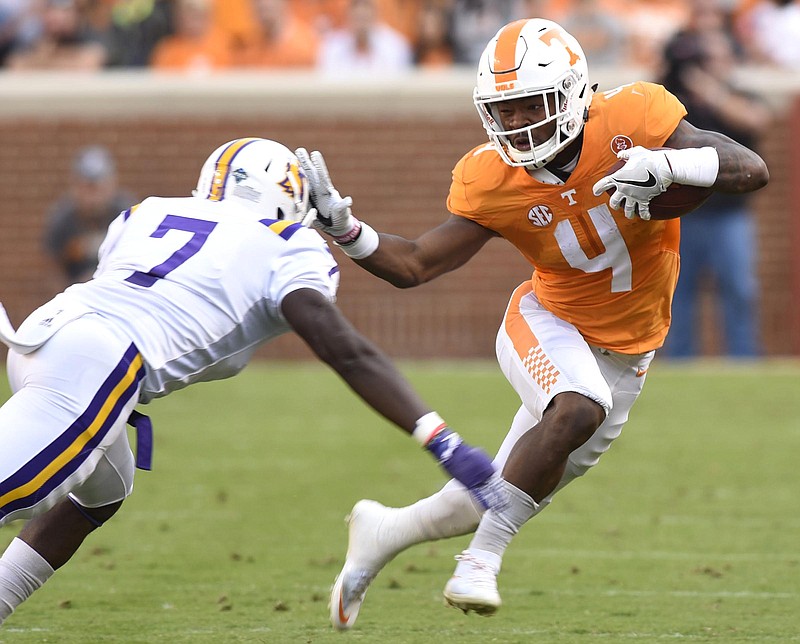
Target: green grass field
{"points": [[688, 530]]}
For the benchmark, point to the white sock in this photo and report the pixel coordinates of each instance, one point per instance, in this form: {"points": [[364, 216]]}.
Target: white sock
{"points": [[494, 561], [450, 512], [22, 571], [497, 529]]}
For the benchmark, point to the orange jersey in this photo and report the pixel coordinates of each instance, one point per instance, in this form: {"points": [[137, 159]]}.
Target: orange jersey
{"points": [[296, 46], [190, 54], [611, 277]]}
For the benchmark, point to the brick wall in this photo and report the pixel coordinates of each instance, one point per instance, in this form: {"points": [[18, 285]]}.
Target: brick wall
{"points": [[394, 161]]}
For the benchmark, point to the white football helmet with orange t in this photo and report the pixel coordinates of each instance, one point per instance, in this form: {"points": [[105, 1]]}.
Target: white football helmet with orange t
{"points": [[529, 58]]}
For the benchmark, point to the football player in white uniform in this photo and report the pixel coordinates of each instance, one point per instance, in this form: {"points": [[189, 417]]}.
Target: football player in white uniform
{"points": [[186, 289]]}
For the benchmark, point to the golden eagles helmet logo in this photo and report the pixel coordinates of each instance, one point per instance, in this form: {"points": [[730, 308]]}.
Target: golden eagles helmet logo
{"points": [[293, 184]]}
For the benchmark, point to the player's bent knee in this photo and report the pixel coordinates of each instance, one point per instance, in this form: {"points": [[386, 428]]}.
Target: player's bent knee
{"points": [[577, 412], [587, 455], [96, 516], [112, 478]]}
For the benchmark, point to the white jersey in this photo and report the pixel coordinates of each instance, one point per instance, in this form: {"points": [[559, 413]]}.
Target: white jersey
{"points": [[197, 285]]}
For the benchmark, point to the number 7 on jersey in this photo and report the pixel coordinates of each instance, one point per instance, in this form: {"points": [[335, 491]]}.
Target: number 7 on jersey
{"points": [[200, 228]]}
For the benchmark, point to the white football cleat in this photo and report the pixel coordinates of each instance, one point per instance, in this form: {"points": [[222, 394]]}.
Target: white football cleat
{"points": [[473, 585], [369, 549], [347, 594]]}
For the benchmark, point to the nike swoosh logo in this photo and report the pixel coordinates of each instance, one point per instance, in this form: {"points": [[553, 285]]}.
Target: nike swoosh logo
{"points": [[640, 372], [343, 617], [650, 182]]}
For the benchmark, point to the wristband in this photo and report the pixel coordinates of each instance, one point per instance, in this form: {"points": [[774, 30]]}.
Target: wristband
{"points": [[350, 236], [428, 427], [694, 166], [365, 243]]}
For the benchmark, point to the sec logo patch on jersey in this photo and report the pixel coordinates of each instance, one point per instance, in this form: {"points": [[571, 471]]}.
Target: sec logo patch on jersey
{"points": [[540, 216]]}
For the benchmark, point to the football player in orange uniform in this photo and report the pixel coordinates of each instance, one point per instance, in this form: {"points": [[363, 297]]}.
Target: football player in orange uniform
{"points": [[578, 337]]}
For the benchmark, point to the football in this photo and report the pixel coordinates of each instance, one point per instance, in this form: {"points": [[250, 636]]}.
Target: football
{"points": [[676, 201]]}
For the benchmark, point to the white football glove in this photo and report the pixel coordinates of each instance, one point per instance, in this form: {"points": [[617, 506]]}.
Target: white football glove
{"points": [[330, 212], [645, 175]]}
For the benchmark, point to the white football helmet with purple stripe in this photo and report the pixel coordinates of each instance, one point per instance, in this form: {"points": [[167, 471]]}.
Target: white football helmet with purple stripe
{"points": [[260, 174]]}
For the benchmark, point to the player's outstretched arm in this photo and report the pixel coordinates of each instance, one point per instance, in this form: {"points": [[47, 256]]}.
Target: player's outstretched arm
{"points": [[370, 373], [399, 261], [405, 263]]}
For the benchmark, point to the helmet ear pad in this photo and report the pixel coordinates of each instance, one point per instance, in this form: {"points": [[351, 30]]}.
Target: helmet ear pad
{"points": [[527, 58], [260, 174]]}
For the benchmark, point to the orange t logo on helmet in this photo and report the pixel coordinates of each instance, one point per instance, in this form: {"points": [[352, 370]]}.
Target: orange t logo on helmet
{"points": [[549, 36], [505, 64]]}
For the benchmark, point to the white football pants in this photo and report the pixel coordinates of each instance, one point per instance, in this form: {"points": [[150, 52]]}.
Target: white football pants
{"points": [[541, 355], [63, 430]]}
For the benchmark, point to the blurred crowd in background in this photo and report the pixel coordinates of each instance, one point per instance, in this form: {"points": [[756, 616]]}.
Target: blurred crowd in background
{"points": [[691, 46], [356, 36]]}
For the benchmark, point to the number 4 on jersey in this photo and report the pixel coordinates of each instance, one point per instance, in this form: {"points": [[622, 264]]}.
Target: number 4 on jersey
{"points": [[616, 255]]}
